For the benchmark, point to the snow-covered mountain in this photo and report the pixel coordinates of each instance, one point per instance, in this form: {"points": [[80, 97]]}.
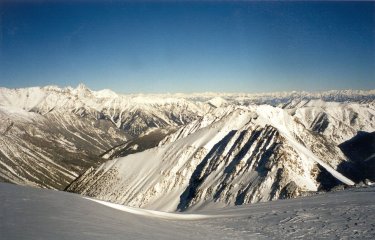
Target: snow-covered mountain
{"points": [[53, 149], [231, 156], [135, 114], [50, 135], [218, 148]]}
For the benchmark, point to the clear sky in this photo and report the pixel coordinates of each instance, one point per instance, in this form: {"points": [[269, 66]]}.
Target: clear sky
{"points": [[188, 47]]}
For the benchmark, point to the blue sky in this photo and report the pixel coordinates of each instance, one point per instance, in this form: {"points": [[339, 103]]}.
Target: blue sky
{"points": [[189, 47]]}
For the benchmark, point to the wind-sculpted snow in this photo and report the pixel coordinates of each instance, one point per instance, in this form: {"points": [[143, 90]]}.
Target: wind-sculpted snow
{"points": [[28, 213], [232, 156]]}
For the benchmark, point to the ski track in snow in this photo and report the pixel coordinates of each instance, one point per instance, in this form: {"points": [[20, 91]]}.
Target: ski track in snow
{"points": [[156, 214]]}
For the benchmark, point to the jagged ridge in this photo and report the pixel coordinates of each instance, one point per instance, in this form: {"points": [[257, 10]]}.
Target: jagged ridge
{"points": [[234, 155]]}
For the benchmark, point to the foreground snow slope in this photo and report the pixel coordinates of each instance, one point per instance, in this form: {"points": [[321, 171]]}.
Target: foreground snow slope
{"points": [[28, 213]]}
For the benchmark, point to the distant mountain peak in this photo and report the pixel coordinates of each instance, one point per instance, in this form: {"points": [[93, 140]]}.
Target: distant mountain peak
{"points": [[83, 87], [82, 90]]}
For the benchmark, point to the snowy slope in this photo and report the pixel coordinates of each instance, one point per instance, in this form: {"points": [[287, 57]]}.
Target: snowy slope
{"points": [[232, 156], [28, 213]]}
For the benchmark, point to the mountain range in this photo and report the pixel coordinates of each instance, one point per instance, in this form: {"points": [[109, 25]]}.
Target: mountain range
{"points": [[181, 152]]}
